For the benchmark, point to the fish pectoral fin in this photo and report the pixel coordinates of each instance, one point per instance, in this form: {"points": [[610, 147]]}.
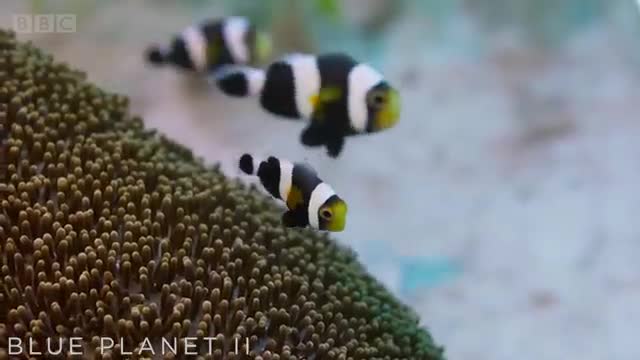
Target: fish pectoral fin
{"points": [[294, 198], [213, 53], [314, 100], [289, 219], [324, 96], [317, 135], [330, 94], [335, 146], [313, 135], [214, 50]]}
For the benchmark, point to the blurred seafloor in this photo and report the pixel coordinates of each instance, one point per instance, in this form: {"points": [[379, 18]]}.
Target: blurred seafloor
{"points": [[504, 205]]}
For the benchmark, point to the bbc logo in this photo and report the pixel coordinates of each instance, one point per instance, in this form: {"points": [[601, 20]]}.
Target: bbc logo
{"points": [[44, 23]]}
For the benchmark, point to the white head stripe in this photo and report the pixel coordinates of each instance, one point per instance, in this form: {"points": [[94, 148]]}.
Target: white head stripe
{"points": [[319, 196], [286, 176], [234, 31], [361, 79], [197, 46], [306, 79]]}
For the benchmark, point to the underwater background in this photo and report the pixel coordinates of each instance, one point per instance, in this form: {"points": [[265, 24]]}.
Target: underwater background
{"points": [[502, 207]]}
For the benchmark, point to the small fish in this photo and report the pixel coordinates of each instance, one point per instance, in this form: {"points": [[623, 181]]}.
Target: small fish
{"points": [[207, 46], [339, 96], [311, 201]]}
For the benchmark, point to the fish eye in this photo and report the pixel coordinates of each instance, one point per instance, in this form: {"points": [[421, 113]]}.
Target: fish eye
{"points": [[326, 214], [377, 99]]}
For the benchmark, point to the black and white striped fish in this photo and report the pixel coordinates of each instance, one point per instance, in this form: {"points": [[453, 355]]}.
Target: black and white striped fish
{"points": [[311, 201], [206, 46], [339, 96]]}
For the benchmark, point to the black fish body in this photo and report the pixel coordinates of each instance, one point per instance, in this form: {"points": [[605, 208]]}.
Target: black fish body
{"points": [[333, 91], [310, 201], [207, 46]]}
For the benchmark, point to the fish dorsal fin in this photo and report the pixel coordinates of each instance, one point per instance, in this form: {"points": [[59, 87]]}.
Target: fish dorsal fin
{"points": [[307, 167]]}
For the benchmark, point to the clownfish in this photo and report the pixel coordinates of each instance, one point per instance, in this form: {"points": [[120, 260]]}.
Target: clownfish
{"points": [[339, 96], [207, 46], [310, 201]]}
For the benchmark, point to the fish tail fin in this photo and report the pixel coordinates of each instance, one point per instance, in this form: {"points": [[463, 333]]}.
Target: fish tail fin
{"points": [[156, 55], [248, 164], [239, 81]]}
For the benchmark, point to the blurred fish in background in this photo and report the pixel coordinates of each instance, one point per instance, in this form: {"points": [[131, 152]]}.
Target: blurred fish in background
{"points": [[502, 207], [209, 45]]}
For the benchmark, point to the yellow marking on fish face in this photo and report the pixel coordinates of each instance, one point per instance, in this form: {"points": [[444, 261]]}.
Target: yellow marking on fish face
{"points": [[335, 215], [294, 198], [389, 112]]}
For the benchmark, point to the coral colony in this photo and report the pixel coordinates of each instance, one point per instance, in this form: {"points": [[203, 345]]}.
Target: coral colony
{"points": [[114, 240]]}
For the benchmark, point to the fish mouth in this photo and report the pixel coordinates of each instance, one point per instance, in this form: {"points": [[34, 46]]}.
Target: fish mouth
{"points": [[389, 115], [336, 226], [339, 220]]}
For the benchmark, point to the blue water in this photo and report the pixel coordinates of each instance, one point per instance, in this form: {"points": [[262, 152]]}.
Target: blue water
{"points": [[410, 274]]}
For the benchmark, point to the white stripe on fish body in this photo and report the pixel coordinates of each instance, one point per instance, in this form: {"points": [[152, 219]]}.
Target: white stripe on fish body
{"points": [[197, 46], [255, 79], [234, 30], [319, 196], [286, 178], [306, 78], [361, 79]]}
